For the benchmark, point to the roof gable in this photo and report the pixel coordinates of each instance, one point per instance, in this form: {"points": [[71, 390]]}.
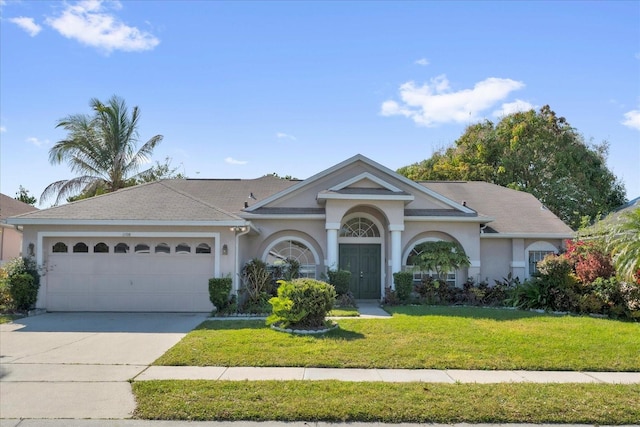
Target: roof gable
{"points": [[357, 175]]}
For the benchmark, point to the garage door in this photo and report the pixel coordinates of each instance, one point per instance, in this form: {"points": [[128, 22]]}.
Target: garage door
{"points": [[116, 274]]}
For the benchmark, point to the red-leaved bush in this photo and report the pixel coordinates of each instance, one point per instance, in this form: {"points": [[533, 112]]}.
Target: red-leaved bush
{"points": [[589, 261]]}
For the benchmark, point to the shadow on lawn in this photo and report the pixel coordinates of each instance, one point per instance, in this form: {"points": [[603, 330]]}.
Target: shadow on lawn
{"points": [[491, 313], [226, 325]]}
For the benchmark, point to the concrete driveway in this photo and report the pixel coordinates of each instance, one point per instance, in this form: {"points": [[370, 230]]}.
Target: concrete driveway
{"points": [[77, 365]]}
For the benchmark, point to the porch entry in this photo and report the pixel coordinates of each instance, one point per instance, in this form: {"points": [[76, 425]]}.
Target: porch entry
{"points": [[363, 261]]}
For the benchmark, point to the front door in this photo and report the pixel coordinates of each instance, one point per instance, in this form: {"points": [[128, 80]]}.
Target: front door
{"points": [[363, 261]]}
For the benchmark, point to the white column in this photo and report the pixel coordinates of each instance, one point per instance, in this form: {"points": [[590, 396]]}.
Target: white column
{"points": [[396, 249], [332, 245]]}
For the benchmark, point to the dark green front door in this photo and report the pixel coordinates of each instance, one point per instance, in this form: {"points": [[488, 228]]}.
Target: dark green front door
{"points": [[363, 261]]}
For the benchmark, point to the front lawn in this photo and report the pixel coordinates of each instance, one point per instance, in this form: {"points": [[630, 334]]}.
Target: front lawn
{"points": [[388, 402], [423, 337]]}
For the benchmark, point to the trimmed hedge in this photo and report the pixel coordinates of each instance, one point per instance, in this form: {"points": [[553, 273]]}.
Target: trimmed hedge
{"points": [[302, 304]]}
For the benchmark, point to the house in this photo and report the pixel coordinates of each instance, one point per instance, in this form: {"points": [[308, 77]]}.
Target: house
{"points": [[11, 235], [154, 246]]}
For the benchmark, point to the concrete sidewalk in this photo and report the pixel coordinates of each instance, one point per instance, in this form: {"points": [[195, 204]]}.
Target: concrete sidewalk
{"points": [[449, 376]]}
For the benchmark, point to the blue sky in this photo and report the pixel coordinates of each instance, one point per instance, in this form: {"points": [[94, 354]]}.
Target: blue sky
{"points": [[242, 89]]}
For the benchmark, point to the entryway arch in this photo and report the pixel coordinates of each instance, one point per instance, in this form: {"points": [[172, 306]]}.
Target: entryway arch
{"points": [[360, 243]]}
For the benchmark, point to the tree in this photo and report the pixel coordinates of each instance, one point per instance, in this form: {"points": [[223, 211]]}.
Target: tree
{"points": [[102, 148], [24, 197], [439, 256], [536, 152], [623, 243]]}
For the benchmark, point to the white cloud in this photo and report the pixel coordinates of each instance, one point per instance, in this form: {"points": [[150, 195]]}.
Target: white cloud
{"points": [[422, 61], [632, 119], [434, 102], [514, 107], [35, 141], [90, 23], [232, 161], [27, 24], [283, 135], [3, 129]]}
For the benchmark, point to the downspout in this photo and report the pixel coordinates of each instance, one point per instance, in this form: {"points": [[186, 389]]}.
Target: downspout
{"points": [[240, 231]]}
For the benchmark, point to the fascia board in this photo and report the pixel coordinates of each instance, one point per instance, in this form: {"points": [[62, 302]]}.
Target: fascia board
{"points": [[121, 222], [526, 236], [284, 216], [480, 220]]}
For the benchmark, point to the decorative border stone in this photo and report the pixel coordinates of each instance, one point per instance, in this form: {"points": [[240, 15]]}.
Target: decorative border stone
{"points": [[305, 331]]}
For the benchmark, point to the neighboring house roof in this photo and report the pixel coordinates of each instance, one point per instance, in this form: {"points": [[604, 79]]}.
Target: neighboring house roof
{"points": [[11, 207], [514, 212]]}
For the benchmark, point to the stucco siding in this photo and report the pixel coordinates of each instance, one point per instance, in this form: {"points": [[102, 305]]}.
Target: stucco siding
{"points": [[495, 259]]}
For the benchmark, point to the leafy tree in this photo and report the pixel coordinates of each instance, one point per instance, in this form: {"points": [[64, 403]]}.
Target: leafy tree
{"points": [[623, 243], [440, 256], [24, 197], [536, 152], [102, 148]]}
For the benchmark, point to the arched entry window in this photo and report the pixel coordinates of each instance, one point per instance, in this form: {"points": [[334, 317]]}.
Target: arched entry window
{"points": [[296, 250], [359, 227]]}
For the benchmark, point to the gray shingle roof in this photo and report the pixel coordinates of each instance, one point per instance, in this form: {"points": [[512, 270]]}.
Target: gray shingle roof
{"points": [[212, 200], [514, 211]]}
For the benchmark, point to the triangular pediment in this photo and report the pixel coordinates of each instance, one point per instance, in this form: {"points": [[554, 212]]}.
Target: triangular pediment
{"points": [[357, 178]]}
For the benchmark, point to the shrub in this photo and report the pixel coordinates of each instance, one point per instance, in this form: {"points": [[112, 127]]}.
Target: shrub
{"points": [[23, 290], [256, 289], [302, 303], [6, 302], [219, 292], [589, 260], [403, 281], [340, 279]]}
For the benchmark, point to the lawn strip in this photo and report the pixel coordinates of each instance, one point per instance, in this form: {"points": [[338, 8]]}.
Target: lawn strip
{"points": [[335, 401], [421, 338]]}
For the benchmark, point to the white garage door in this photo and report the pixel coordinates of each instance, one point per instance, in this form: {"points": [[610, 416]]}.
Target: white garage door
{"points": [[129, 274]]}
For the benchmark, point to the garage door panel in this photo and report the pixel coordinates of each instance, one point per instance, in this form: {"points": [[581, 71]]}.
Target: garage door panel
{"points": [[129, 282]]}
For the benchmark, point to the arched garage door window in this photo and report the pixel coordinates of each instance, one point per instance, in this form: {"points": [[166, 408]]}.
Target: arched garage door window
{"points": [[294, 249]]}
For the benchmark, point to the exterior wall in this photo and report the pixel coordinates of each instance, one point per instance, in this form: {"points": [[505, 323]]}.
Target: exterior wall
{"points": [[466, 234], [496, 259], [10, 243]]}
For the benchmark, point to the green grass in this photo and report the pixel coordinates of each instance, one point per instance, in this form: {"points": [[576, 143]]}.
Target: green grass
{"points": [[388, 402], [344, 312], [7, 318], [423, 337]]}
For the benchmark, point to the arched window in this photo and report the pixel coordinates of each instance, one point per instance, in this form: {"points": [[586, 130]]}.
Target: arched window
{"points": [[283, 250], [183, 248], [80, 247], [60, 248], [142, 248], [121, 248], [101, 248], [359, 227], [203, 248], [420, 275], [162, 248]]}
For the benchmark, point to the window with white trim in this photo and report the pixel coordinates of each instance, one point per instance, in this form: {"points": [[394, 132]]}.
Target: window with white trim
{"points": [[419, 276], [359, 227], [296, 250], [534, 258]]}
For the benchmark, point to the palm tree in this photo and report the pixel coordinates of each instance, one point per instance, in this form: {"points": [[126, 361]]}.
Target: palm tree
{"points": [[624, 244], [101, 148]]}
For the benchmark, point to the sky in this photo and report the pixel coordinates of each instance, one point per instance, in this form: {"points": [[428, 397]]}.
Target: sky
{"points": [[243, 89]]}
